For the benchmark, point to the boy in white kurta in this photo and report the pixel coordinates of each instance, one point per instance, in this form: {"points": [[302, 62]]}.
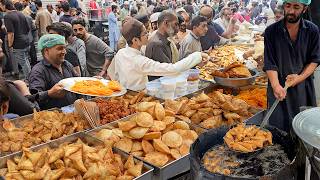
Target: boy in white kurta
{"points": [[131, 68]]}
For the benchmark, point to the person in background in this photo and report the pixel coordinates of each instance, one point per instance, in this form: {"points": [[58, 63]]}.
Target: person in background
{"points": [[189, 8], [150, 7], [98, 53], [59, 11], [191, 43], [183, 28], [124, 11], [18, 39], [43, 19], [255, 10], [45, 76], [131, 60], [53, 13], [122, 43], [278, 14], [154, 22], [66, 17], [234, 6], [211, 38], [144, 19], [71, 56], [225, 25], [114, 31], [32, 35], [74, 12], [133, 12], [291, 55], [77, 45], [73, 3]]}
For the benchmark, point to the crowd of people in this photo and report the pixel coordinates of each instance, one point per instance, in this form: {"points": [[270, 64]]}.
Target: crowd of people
{"points": [[147, 39]]}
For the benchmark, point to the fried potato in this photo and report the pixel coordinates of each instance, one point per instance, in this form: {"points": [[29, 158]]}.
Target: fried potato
{"points": [[144, 106], [184, 149], [159, 112], [127, 125], [124, 144], [175, 153], [156, 158], [136, 169], [172, 139], [169, 120], [136, 146], [158, 126]]}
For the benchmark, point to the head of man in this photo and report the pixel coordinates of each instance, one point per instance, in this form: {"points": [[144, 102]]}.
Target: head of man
{"points": [[114, 8], [6, 5], [53, 48], [199, 26], [38, 3], [294, 10], [135, 33], [186, 17], [278, 14], [154, 20], [168, 23], [207, 12], [144, 19], [79, 28], [73, 11], [126, 5], [50, 8], [226, 13], [18, 6], [65, 7], [4, 97], [58, 8], [60, 28]]}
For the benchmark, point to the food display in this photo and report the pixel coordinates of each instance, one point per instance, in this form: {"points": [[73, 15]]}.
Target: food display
{"points": [[43, 127], [247, 138], [96, 87], [262, 80], [118, 107], [234, 70], [72, 161], [221, 160], [223, 57], [151, 135], [209, 111], [256, 97]]}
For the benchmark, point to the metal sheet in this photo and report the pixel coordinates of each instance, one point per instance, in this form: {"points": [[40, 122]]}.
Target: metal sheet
{"points": [[89, 140], [307, 126], [171, 169]]}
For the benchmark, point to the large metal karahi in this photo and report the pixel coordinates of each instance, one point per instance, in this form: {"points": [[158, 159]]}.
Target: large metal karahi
{"points": [[147, 170], [237, 82], [307, 126]]}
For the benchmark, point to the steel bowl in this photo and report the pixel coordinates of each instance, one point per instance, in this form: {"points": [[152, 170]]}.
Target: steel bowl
{"points": [[237, 82]]}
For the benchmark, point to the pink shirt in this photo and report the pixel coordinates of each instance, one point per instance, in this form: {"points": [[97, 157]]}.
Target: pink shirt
{"points": [[239, 17]]}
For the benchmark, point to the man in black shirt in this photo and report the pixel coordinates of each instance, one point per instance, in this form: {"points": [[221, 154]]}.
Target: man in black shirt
{"points": [[66, 10], [18, 40], [45, 76]]}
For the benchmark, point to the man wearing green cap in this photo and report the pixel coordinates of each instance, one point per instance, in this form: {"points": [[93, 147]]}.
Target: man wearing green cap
{"points": [[44, 76], [292, 52]]}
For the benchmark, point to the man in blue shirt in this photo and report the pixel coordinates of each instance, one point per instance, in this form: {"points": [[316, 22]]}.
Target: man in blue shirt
{"points": [[114, 31], [292, 53]]}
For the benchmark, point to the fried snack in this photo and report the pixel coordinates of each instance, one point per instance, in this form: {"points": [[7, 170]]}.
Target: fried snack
{"points": [[43, 127], [169, 138], [87, 162], [234, 70], [259, 99], [96, 87], [247, 139]]}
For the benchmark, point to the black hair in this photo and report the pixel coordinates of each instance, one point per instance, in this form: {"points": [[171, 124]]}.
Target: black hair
{"points": [[114, 7], [49, 5], [4, 91], [65, 6], [61, 28], [80, 21], [195, 22], [142, 18], [180, 19], [133, 12], [38, 3], [166, 15], [8, 4], [18, 6]]}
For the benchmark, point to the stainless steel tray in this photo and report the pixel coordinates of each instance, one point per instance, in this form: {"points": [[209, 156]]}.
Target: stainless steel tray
{"points": [[171, 169], [91, 141]]}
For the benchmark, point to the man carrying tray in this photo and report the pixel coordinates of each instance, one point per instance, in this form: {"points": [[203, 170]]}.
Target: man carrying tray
{"points": [[44, 76]]}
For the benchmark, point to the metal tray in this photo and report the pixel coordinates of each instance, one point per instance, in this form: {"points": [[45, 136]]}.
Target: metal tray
{"points": [[91, 141], [18, 122], [171, 169]]}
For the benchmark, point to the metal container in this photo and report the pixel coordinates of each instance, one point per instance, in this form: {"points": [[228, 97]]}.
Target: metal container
{"points": [[171, 169], [91, 141], [237, 82]]}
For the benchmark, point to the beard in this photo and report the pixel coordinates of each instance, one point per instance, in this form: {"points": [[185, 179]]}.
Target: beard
{"points": [[291, 18], [170, 31]]}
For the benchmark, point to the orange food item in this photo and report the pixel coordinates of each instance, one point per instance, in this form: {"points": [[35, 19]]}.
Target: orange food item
{"points": [[256, 97], [96, 87]]}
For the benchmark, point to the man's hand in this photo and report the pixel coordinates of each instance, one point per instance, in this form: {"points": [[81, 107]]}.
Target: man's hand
{"points": [[279, 92], [102, 74], [293, 79], [57, 91], [205, 59]]}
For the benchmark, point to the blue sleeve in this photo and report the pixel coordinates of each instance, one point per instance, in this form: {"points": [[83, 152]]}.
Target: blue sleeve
{"points": [[314, 46], [269, 52], [218, 28]]}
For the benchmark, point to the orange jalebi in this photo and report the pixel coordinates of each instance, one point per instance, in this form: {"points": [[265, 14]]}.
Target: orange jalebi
{"points": [[96, 87], [256, 97]]}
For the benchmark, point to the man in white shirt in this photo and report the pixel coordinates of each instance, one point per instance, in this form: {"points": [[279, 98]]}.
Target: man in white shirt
{"points": [[131, 68], [53, 13]]}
